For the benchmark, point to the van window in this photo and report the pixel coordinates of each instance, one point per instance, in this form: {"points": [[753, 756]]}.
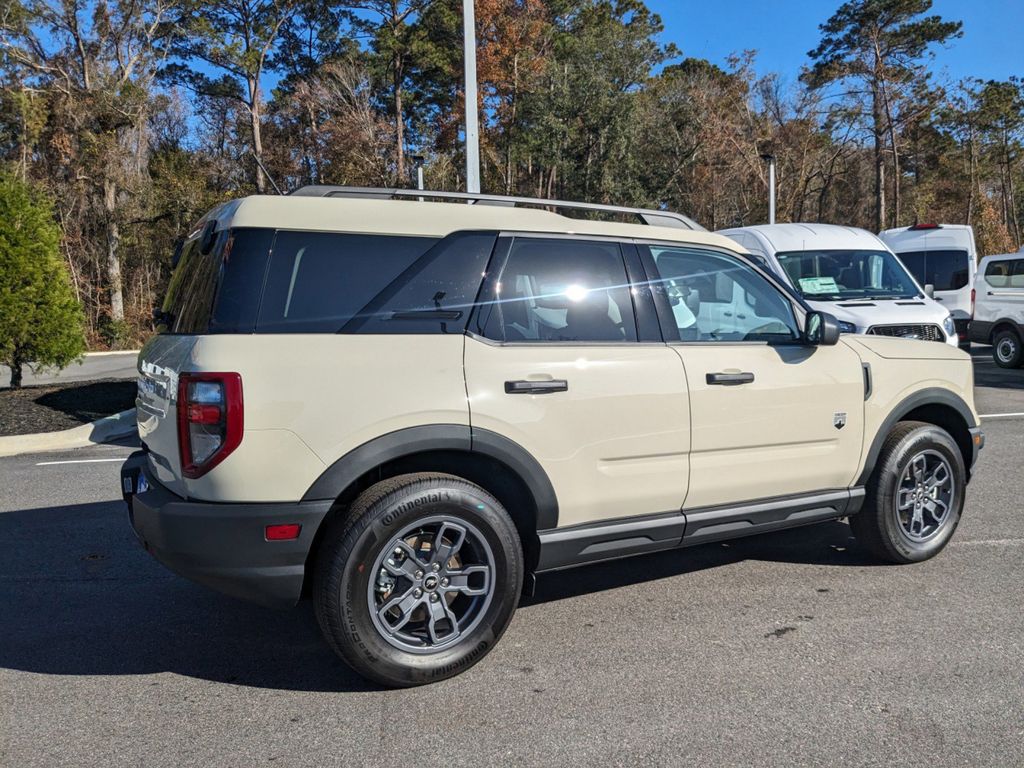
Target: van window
{"points": [[562, 290], [1005, 274], [837, 275], [947, 270], [318, 281]]}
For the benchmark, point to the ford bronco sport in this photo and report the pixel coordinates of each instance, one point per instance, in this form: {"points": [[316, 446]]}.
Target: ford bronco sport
{"points": [[407, 408]]}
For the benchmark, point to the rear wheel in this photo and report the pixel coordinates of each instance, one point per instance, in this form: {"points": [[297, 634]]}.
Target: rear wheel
{"points": [[1007, 350], [914, 497], [420, 581]]}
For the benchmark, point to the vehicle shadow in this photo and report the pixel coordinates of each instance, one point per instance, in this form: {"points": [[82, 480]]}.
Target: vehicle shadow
{"points": [[79, 596], [988, 374]]}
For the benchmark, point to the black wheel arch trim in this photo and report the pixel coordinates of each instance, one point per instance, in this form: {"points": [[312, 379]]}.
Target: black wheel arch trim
{"points": [[440, 437], [929, 396]]}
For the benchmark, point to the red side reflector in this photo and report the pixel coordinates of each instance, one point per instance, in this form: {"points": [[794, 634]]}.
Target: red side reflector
{"points": [[283, 532]]}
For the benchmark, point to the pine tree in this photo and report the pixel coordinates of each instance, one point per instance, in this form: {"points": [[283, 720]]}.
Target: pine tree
{"points": [[40, 318]]}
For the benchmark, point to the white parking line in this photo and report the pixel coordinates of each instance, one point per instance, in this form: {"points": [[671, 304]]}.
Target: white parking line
{"points": [[1001, 415], [76, 461]]}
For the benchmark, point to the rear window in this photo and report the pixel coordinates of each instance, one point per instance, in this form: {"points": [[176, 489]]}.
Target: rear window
{"points": [[947, 270], [217, 292]]}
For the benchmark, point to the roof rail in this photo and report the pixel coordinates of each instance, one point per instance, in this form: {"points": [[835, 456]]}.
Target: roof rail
{"points": [[645, 215]]}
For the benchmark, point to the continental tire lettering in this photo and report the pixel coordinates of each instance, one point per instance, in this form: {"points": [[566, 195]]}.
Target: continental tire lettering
{"points": [[435, 497]]}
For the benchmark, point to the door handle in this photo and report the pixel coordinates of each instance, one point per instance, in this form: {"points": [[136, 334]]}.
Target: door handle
{"points": [[543, 387], [730, 379]]}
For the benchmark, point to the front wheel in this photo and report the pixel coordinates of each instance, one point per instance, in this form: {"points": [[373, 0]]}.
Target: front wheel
{"points": [[1007, 350], [420, 580], [915, 495]]}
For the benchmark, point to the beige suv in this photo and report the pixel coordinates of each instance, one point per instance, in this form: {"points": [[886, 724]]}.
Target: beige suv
{"points": [[408, 408]]}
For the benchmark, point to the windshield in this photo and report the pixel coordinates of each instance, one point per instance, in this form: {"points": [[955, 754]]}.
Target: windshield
{"points": [[836, 275], [947, 270]]}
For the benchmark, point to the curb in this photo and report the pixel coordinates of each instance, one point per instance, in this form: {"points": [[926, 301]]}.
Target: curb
{"points": [[100, 431]]}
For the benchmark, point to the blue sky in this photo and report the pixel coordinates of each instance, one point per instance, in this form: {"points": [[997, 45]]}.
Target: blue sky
{"points": [[782, 31]]}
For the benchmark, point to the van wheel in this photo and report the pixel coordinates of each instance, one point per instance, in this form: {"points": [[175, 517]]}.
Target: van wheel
{"points": [[914, 497], [420, 580], [1007, 350]]}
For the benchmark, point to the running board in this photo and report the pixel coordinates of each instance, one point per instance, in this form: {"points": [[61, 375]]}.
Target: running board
{"points": [[611, 539]]}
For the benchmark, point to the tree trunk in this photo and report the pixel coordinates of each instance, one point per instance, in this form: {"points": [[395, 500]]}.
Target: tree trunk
{"points": [[16, 364], [399, 122], [878, 135], [257, 133], [113, 242]]}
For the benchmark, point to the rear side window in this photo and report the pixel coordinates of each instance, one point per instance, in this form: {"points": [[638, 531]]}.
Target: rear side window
{"points": [[947, 270], [189, 299], [319, 281], [1005, 274], [218, 292], [562, 290]]}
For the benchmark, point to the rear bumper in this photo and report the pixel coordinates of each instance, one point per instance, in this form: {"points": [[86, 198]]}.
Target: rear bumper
{"points": [[980, 332], [222, 546]]}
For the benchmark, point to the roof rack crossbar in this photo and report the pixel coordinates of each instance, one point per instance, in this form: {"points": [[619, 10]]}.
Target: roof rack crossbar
{"points": [[645, 215]]}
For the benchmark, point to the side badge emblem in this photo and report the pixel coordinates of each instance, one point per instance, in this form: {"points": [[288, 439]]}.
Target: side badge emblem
{"points": [[839, 420]]}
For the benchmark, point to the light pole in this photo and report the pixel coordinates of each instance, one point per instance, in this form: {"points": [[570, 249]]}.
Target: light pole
{"points": [[472, 126], [770, 159], [418, 161]]}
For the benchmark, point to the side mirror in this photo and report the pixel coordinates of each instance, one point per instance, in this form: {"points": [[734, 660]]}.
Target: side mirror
{"points": [[821, 329], [929, 291]]}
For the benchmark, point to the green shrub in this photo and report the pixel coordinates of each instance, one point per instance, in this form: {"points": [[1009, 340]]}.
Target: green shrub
{"points": [[40, 317]]}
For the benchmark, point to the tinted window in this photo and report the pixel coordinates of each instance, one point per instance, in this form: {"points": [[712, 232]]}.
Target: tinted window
{"points": [[434, 294], [190, 293], [318, 281], [946, 270], [242, 269], [562, 290], [717, 298], [1005, 274]]}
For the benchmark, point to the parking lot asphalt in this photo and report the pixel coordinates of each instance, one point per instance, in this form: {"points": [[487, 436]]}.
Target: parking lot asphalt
{"points": [[785, 649]]}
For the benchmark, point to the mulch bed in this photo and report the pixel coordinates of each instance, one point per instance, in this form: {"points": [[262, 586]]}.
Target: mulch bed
{"points": [[52, 407]]}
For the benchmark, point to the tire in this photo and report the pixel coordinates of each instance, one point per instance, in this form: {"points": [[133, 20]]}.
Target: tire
{"points": [[447, 610], [916, 533], [1007, 350]]}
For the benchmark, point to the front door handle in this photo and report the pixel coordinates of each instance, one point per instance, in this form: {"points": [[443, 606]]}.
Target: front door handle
{"points": [[730, 379], [542, 387]]}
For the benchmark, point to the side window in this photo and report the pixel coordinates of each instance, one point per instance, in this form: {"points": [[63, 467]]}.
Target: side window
{"points": [[318, 281], [562, 290], [997, 274], [713, 297], [1017, 276]]}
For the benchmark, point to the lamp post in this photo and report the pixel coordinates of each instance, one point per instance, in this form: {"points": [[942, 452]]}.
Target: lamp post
{"points": [[770, 159], [472, 126]]}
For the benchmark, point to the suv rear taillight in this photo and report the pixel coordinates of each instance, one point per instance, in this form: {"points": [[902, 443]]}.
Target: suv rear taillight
{"points": [[209, 420]]}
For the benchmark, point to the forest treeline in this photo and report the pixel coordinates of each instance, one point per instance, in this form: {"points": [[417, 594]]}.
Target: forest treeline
{"points": [[136, 116]]}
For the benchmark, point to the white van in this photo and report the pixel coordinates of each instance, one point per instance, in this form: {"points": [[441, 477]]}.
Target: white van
{"points": [[851, 274], [943, 256], [999, 308]]}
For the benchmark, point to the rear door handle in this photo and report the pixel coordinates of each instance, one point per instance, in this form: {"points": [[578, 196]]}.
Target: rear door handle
{"points": [[730, 379], [543, 387]]}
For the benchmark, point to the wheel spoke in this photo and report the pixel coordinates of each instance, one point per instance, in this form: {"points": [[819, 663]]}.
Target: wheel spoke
{"points": [[405, 603], [938, 478], [459, 580], [439, 611], [905, 499], [937, 509], [447, 542], [919, 467]]}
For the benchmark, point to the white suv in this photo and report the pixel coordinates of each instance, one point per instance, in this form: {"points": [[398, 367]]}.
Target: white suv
{"points": [[408, 409], [999, 307]]}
